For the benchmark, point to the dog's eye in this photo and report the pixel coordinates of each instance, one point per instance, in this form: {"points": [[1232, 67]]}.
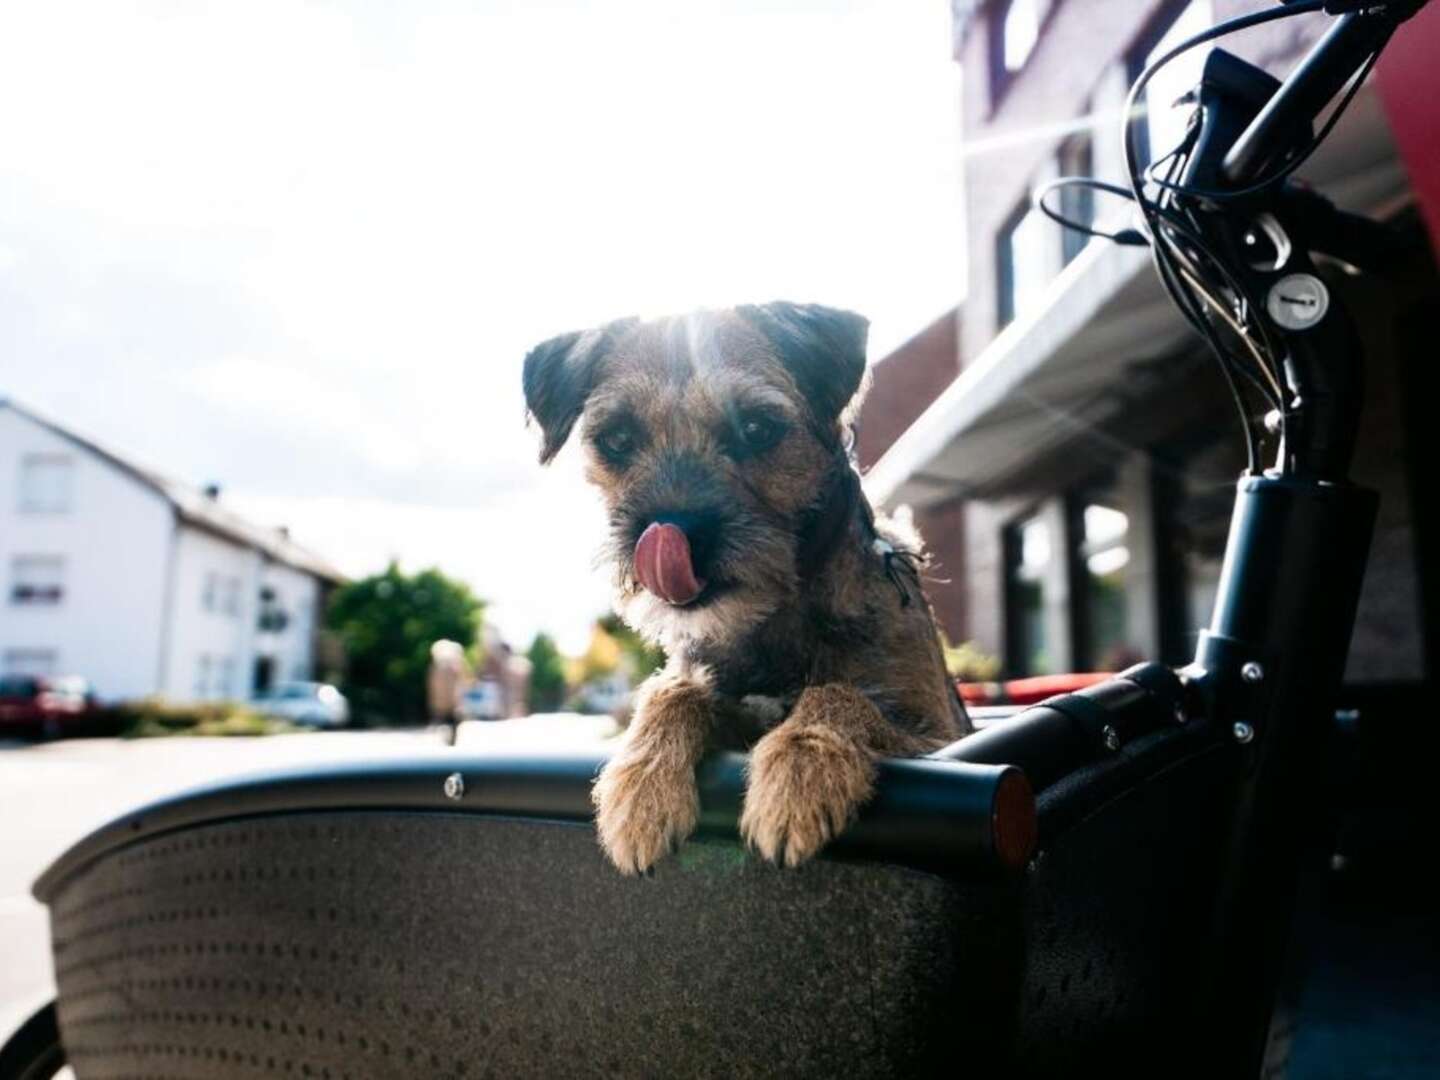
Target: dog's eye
{"points": [[617, 442], [758, 432]]}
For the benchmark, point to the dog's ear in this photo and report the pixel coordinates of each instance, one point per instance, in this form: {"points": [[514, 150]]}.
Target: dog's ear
{"points": [[822, 347], [559, 375]]}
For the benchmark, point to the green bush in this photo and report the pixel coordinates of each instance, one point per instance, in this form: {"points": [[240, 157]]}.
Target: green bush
{"points": [[386, 624], [152, 718]]}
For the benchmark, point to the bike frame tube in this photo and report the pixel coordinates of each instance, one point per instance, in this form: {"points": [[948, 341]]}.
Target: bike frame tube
{"points": [[1270, 664]]}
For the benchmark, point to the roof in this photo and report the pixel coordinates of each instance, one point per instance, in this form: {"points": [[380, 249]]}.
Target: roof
{"points": [[192, 505]]}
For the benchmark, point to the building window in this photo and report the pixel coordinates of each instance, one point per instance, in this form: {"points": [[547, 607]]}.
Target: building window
{"points": [[202, 677], [225, 677], [1102, 623], [45, 483], [221, 594], [30, 663], [1077, 201], [1030, 552], [1160, 127], [1022, 263], [1014, 30], [37, 580], [230, 602], [1194, 522]]}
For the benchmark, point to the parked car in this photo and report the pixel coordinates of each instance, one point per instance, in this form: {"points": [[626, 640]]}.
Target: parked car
{"points": [[483, 701], [36, 705], [309, 703]]}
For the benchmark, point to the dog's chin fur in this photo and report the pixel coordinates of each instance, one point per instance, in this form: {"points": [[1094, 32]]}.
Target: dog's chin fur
{"points": [[727, 617], [756, 567]]}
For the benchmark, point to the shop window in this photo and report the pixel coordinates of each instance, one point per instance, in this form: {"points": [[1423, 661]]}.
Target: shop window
{"points": [[1031, 550], [1103, 583]]}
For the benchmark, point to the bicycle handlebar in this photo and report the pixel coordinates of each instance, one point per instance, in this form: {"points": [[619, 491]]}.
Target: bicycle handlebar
{"points": [[1340, 53]]}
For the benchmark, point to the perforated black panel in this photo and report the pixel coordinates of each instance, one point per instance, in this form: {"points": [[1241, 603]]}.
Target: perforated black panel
{"points": [[373, 944], [1118, 915]]}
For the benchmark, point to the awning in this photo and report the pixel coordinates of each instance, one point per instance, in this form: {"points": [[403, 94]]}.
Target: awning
{"points": [[1058, 371]]}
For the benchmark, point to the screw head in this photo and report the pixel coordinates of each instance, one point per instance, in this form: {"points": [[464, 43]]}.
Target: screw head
{"points": [[1252, 672], [1243, 732], [454, 786], [1112, 738]]}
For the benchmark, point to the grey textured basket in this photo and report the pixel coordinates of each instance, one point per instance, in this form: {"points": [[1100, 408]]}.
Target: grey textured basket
{"points": [[356, 922]]}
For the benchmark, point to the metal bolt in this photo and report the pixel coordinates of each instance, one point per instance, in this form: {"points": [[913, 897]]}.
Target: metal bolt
{"points": [[1243, 732], [1112, 738], [1252, 672], [454, 786]]}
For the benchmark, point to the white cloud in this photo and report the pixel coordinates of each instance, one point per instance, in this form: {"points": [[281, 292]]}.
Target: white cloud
{"points": [[305, 246], [527, 554]]}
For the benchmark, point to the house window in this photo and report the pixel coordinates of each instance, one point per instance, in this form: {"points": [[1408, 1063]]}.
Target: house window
{"points": [[225, 677], [30, 663], [221, 594], [1022, 259], [1160, 127], [231, 598], [37, 580], [1077, 202], [45, 483], [1030, 551], [203, 667]]}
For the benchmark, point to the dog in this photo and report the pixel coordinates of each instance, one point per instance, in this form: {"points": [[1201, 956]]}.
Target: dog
{"points": [[794, 620]]}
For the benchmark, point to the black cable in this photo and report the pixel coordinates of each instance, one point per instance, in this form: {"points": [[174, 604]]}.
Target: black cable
{"points": [[1126, 237], [1194, 311], [1182, 223], [1164, 248]]}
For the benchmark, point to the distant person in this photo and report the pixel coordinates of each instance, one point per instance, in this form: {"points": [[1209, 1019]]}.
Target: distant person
{"points": [[446, 681]]}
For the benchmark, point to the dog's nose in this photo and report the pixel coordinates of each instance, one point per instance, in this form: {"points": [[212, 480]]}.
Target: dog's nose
{"points": [[701, 528]]}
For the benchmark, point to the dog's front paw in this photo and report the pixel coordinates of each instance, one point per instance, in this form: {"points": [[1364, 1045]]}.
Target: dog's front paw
{"points": [[806, 783], [642, 810]]}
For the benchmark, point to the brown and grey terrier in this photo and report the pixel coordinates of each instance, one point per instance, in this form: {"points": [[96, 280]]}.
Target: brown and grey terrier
{"points": [[793, 619]]}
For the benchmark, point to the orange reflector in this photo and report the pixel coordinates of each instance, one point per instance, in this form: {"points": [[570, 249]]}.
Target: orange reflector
{"points": [[1014, 826]]}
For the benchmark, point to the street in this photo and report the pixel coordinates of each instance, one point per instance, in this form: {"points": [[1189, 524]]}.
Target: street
{"points": [[52, 794]]}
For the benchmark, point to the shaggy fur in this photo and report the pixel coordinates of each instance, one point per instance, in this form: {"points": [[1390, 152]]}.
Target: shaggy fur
{"points": [[812, 644]]}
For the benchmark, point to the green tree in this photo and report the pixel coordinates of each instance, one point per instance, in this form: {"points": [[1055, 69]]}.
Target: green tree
{"points": [[547, 674], [387, 623], [644, 657]]}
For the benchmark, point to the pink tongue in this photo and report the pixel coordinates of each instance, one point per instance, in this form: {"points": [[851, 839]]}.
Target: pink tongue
{"points": [[662, 563]]}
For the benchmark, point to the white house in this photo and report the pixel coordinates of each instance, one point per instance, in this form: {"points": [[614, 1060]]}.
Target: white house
{"points": [[139, 583]]}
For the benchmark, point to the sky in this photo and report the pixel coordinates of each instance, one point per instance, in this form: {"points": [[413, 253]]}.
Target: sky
{"points": [[301, 249]]}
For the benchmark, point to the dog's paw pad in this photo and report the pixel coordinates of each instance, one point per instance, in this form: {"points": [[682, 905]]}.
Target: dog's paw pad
{"points": [[805, 786], [643, 812]]}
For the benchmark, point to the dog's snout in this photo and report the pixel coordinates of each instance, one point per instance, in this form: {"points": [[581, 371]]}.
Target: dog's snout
{"points": [[702, 528]]}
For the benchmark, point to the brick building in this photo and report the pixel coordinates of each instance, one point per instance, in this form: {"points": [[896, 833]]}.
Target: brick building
{"points": [[902, 386], [1075, 464]]}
